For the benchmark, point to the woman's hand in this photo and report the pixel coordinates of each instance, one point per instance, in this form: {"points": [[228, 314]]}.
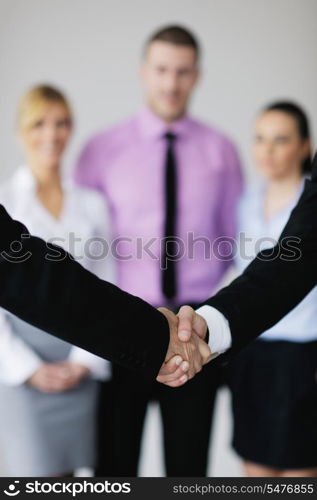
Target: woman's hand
{"points": [[58, 377]]}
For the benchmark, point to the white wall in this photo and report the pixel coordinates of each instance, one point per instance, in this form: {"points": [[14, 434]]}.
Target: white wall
{"points": [[254, 51]]}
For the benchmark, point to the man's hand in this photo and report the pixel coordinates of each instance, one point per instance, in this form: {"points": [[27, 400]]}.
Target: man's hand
{"points": [[189, 322], [183, 358]]}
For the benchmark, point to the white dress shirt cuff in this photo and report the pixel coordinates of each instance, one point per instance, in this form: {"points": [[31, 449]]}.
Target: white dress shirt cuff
{"points": [[219, 330], [100, 369]]}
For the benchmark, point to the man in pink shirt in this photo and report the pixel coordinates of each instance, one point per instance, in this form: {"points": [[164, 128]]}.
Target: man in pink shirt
{"points": [[172, 184]]}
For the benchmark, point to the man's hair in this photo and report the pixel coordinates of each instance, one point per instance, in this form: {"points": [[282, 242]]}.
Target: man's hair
{"points": [[177, 35]]}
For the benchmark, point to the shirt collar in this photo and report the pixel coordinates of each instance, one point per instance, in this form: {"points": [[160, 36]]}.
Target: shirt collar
{"points": [[154, 127]]}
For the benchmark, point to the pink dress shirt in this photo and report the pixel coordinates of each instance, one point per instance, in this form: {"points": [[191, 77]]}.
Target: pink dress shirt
{"points": [[126, 164]]}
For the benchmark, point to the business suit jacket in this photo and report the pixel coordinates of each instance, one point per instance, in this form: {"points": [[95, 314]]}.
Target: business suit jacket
{"points": [[274, 283], [61, 297]]}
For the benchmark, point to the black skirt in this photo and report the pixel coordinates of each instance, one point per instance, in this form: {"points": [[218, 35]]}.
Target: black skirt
{"points": [[274, 397]]}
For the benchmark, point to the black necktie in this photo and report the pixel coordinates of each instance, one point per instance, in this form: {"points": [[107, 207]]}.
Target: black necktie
{"points": [[168, 265]]}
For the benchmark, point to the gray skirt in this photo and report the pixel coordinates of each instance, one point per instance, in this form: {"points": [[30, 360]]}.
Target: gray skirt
{"points": [[45, 434]]}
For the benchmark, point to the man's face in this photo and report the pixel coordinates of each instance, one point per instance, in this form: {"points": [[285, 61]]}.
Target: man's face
{"points": [[169, 73]]}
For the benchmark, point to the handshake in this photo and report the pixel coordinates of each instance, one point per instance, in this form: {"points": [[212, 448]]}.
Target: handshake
{"points": [[187, 351]]}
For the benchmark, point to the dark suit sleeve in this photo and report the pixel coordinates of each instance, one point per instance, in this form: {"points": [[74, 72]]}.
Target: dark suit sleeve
{"points": [[277, 280], [44, 286]]}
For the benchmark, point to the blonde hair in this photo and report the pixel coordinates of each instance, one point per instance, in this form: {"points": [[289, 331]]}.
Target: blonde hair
{"points": [[34, 103]]}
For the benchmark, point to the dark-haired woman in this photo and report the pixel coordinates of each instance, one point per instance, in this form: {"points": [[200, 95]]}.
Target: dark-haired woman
{"points": [[273, 380]]}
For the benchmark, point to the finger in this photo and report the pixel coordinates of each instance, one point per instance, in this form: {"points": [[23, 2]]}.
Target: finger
{"points": [[179, 382], [68, 387], [170, 377], [198, 366], [46, 388], [185, 324], [171, 371], [58, 384], [171, 365], [53, 386], [169, 315], [58, 388], [205, 352], [69, 383], [200, 326], [184, 366], [52, 372], [64, 373], [195, 367]]}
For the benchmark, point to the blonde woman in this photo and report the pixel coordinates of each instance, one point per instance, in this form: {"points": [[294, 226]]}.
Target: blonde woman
{"points": [[48, 389]]}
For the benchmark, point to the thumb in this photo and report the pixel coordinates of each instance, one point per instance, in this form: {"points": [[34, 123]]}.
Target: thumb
{"points": [[186, 316], [200, 326], [205, 351]]}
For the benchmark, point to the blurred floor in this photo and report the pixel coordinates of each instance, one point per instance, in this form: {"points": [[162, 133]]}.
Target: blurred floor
{"points": [[223, 461]]}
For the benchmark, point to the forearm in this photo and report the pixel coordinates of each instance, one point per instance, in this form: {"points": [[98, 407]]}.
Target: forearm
{"points": [[273, 285], [64, 299]]}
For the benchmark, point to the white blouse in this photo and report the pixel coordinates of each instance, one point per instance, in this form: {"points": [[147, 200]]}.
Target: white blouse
{"points": [[83, 229]]}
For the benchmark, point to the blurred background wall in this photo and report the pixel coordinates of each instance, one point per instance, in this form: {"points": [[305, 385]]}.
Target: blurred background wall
{"points": [[253, 52]]}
